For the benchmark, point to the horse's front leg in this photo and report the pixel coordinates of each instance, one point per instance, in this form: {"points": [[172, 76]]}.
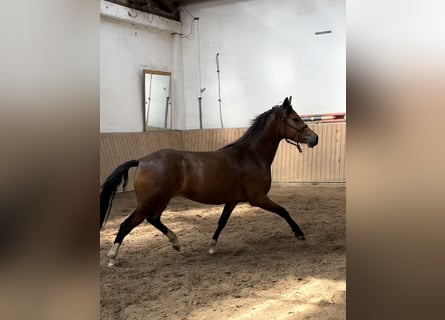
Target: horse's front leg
{"points": [[228, 208], [265, 203]]}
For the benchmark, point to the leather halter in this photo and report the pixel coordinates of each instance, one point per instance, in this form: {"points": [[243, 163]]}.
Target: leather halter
{"points": [[297, 144]]}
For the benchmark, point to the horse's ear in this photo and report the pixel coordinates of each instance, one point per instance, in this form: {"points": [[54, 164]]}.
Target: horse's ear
{"points": [[286, 105], [290, 99]]}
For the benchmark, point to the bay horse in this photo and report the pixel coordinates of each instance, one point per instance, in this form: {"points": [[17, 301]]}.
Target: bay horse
{"points": [[238, 172]]}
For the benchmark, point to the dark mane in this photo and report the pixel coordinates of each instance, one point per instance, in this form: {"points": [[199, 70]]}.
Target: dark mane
{"points": [[256, 126]]}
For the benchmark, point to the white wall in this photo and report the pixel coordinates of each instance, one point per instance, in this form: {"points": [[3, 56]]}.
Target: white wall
{"points": [[125, 51], [268, 50]]}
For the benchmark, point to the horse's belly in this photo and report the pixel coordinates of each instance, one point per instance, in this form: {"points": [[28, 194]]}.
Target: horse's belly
{"points": [[214, 199], [209, 194]]}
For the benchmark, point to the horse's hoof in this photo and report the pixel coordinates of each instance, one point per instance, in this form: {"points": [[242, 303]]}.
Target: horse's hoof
{"points": [[112, 263], [301, 237], [176, 247], [212, 244]]}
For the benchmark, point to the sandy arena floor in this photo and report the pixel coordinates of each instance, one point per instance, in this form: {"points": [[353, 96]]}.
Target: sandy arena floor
{"points": [[260, 272]]}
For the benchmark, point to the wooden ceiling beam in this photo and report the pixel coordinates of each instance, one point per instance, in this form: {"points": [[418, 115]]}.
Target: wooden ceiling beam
{"points": [[168, 4], [163, 8]]}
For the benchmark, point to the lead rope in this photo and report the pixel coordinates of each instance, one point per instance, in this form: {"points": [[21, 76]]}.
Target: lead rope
{"points": [[294, 144]]}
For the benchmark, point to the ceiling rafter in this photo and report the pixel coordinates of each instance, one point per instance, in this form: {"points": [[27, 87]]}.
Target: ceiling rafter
{"points": [[163, 8]]}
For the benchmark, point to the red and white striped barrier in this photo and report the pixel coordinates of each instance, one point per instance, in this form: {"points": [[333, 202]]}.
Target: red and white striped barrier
{"points": [[325, 117]]}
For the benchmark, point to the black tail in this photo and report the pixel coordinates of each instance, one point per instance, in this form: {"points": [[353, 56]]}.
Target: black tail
{"points": [[108, 188]]}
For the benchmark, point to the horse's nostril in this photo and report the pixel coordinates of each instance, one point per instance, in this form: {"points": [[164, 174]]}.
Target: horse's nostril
{"points": [[312, 140]]}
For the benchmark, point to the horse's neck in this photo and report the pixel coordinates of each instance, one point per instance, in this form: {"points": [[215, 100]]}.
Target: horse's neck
{"points": [[266, 144]]}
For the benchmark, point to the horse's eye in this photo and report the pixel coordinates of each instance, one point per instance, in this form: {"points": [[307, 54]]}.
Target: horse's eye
{"points": [[295, 119]]}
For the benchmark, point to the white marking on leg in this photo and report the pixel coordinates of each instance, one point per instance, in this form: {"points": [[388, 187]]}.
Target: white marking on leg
{"points": [[113, 251], [212, 245], [173, 239], [112, 254]]}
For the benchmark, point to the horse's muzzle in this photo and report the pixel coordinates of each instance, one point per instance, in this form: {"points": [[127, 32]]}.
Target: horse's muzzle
{"points": [[312, 140]]}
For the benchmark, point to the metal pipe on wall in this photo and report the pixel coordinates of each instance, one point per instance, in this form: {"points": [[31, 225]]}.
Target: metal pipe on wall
{"points": [[219, 89], [201, 89]]}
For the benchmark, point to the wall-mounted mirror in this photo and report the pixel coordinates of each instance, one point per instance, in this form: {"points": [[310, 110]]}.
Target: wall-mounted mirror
{"points": [[157, 100]]}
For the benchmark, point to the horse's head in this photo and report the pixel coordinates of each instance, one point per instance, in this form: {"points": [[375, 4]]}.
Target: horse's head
{"points": [[293, 127]]}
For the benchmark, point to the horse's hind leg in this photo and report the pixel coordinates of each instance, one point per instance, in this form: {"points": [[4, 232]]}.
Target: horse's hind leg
{"points": [[228, 208], [156, 222], [132, 221]]}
